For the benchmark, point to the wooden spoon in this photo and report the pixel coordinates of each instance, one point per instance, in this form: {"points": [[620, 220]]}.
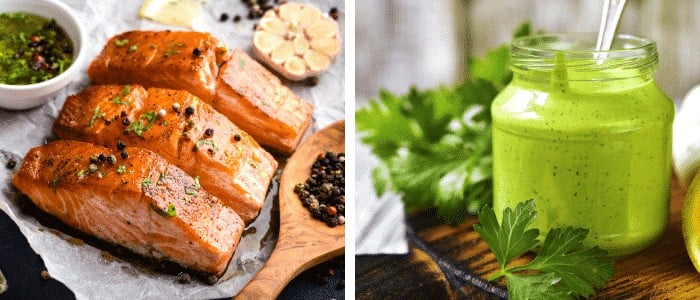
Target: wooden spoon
{"points": [[303, 241]]}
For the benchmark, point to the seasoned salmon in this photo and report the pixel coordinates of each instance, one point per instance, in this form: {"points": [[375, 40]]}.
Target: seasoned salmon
{"points": [[233, 83], [229, 163], [257, 100], [142, 203]]}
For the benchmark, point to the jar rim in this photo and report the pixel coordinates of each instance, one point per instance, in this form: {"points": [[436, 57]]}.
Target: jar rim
{"points": [[621, 43], [576, 52]]}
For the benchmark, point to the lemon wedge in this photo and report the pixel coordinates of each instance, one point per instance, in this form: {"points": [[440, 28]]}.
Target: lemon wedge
{"points": [[691, 222], [172, 12]]}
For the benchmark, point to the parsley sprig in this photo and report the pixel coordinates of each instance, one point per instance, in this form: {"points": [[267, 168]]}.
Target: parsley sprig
{"points": [[563, 268], [434, 146]]}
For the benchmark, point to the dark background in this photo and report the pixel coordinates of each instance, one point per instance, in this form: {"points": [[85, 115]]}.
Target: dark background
{"points": [[22, 268]]}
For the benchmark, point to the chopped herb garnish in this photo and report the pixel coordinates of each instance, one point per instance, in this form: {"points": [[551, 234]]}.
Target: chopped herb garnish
{"points": [[119, 100], [133, 48], [153, 46], [81, 173], [207, 142], [138, 127], [165, 123], [120, 43], [126, 90], [241, 64], [146, 182], [196, 183], [121, 169], [54, 182], [276, 99], [171, 49], [150, 116], [190, 123], [187, 199], [190, 192], [168, 212], [95, 114]]}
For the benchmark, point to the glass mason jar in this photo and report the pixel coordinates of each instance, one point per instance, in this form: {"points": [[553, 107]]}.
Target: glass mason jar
{"points": [[587, 135]]}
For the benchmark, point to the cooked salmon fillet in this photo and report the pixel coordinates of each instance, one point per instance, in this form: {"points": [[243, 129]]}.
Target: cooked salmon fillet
{"points": [[142, 203], [257, 100], [233, 83], [228, 162]]}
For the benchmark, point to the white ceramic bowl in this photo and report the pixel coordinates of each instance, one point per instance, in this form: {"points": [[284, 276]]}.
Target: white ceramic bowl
{"points": [[18, 97]]}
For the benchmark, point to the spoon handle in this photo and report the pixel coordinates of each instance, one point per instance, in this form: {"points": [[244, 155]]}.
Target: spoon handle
{"points": [[612, 11]]}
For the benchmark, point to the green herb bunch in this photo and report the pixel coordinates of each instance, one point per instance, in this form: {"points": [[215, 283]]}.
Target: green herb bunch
{"points": [[434, 146]]}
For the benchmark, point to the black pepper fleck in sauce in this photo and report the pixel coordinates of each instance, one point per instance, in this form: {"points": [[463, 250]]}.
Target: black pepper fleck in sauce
{"points": [[32, 49]]}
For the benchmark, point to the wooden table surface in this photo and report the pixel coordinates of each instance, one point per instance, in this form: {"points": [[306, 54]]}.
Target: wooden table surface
{"points": [[451, 262]]}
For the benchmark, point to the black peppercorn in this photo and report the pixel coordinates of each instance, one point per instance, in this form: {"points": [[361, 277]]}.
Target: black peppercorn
{"points": [[11, 164], [184, 278], [196, 52], [211, 279], [236, 137], [102, 157], [124, 154], [224, 17], [333, 13], [189, 110], [209, 132], [323, 194], [312, 81], [94, 159], [126, 122], [111, 159], [121, 145], [236, 18]]}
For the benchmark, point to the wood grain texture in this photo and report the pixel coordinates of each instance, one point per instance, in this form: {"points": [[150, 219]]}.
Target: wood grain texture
{"points": [[662, 271], [303, 241]]}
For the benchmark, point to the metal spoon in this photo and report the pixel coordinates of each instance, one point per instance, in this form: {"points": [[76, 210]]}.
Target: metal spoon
{"points": [[612, 11]]}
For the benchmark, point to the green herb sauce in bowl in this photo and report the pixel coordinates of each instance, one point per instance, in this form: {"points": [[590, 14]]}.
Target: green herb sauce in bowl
{"points": [[45, 50], [32, 49]]}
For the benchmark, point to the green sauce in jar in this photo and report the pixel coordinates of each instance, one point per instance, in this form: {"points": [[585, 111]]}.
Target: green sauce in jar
{"points": [[32, 49], [588, 138]]}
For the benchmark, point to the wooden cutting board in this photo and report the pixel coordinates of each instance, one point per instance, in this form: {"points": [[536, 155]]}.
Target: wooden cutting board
{"points": [[453, 261]]}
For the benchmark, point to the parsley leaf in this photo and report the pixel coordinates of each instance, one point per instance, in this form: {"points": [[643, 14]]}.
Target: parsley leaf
{"points": [[578, 268], [511, 238], [434, 146], [538, 286], [563, 268]]}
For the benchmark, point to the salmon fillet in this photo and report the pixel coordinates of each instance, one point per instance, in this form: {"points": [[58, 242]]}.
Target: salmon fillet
{"points": [[142, 203], [255, 98], [228, 162], [233, 83]]}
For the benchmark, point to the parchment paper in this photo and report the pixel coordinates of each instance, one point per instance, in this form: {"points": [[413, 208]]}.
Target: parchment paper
{"points": [[82, 268]]}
